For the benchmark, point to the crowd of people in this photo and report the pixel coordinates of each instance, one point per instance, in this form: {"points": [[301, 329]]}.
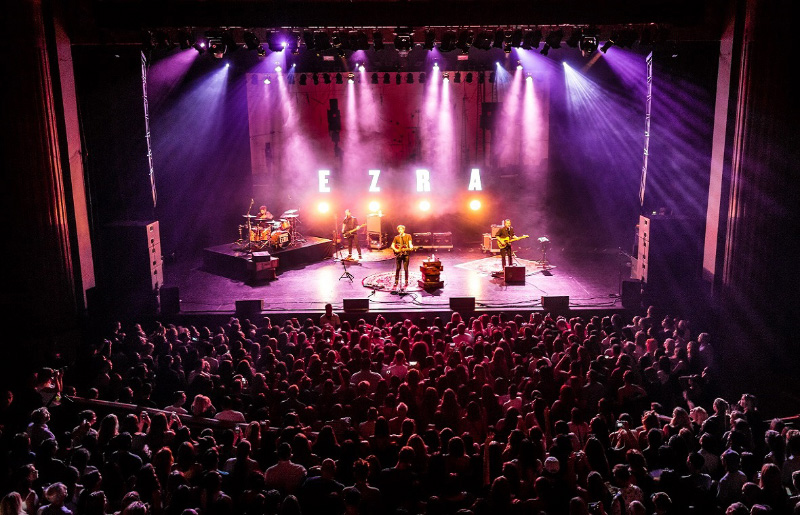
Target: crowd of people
{"points": [[493, 414]]}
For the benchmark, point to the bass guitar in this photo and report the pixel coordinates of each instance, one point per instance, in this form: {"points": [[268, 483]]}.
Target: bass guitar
{"points": [[504, 242], [351, 231]]}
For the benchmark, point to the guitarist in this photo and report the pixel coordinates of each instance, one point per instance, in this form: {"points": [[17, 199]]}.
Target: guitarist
{"points": [[504, 238], [401, 245], [350, 233]]}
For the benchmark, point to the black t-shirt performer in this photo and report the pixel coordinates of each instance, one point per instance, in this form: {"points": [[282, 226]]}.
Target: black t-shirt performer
{"points": [[350, 233], [401, 245], [504, 238]]}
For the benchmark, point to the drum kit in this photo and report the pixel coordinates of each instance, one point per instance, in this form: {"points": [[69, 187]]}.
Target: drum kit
{"points": [[258, 234]]}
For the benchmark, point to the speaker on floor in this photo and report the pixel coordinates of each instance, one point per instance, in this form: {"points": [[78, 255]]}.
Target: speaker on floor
{"points": [[355, 305], [515, 274], [249, 308], [170, 300], [462, 303], [631, 294], [555, 304]]}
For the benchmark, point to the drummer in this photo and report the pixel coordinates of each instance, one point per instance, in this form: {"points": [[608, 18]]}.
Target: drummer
{"points": [[264, 217]]}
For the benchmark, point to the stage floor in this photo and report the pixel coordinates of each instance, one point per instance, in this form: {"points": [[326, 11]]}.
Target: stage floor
{"points": [[591, 278]]}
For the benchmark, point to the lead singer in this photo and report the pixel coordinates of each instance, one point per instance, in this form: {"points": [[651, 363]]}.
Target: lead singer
{"points": [[401, 246]]}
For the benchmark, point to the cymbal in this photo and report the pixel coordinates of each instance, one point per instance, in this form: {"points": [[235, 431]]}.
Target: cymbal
{"points": [[250, 216], [290, 212], [290, 216]]}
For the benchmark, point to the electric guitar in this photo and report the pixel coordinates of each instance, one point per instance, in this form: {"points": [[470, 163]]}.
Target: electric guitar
{"points": [[504, 242], [351, 231], [403, 251]]}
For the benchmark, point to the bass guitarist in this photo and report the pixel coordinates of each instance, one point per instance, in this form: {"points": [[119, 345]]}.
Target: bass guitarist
{"points": [[505, 237], [402, 246], [350, 229]]}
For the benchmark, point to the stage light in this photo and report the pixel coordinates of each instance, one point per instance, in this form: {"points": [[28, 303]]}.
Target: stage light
{"points": [[475, 204], [446, 76], [161, 40], [483, 40], [308, 39], [430, 39], [266, 81], [409, 78], [588, 45], [403, 43], [608, 44], [185, 39], [481, 77], [326, 78], [251, 41], [469, 78], [554, 38], [293, 44], [398, 79], [464, 41], [216, 46], [303, 79], [322, 41], [532, 39], [377, 40], [545, 49], [374, 78], [350, 78], [435, 66], [448, 42], [323, 207], [575, 37], [361, 68], [424, 205], [499, 38], [529, 78], [374, 206], [359, 41], [275, 41], [278, 69], [387, 78], [457, 77], [516, 38], [338, 78], [519, 65], [200, 46], [315, 78], [422, 78]]}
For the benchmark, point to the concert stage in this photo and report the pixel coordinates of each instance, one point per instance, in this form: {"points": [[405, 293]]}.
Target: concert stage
{"points": [[310, 276], [230, 261]]}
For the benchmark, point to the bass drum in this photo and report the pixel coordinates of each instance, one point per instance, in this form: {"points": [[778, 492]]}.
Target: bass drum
{"points": [[279, 239]]}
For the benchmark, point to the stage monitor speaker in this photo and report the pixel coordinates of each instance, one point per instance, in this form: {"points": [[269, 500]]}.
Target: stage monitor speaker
{"points": [[631, 294], [249, 308], [555, 304], [515, 274], [261, 256], [461, 304], [170, 300], [355, 305]]}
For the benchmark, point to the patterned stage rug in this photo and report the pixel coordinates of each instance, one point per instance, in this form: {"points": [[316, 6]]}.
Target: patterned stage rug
{"points": [[493, 264], [367, 254], [384, 281]]}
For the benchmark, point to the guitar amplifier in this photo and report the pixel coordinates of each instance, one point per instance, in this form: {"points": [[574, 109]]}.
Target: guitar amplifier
{"points": [[494, 228], [489, 244], [422, 239]]}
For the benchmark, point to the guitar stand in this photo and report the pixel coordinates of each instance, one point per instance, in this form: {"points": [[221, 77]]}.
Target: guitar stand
{"points": [[345, 274]]}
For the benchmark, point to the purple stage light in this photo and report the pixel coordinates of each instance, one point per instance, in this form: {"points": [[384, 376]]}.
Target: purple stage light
{"points": [[278, 69], [361, 68]]}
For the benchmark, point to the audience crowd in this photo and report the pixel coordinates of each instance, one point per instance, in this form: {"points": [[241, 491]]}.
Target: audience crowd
{"points": [[488, 415]]}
